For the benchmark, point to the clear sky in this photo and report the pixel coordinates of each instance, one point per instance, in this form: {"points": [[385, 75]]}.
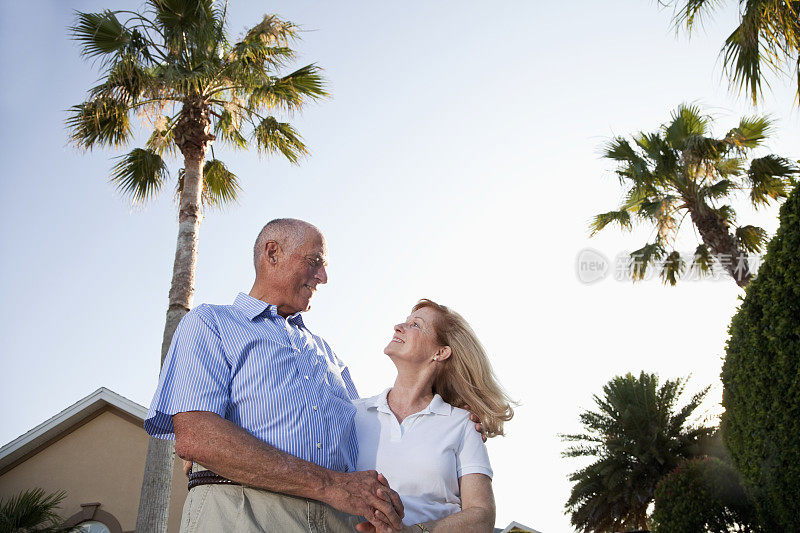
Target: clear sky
{"points": [[458, 160]]}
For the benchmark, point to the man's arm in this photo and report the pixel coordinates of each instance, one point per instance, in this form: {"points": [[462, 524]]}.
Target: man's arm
{"points": [[230, 451]]}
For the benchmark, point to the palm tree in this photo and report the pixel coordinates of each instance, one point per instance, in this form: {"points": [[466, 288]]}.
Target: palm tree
{"points": [[637, 436], [31, 511], [680, 170], [173, 66], [767, 37]]}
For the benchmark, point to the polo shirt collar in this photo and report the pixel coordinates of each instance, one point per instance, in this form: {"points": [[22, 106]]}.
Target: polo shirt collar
{"points": [[437, 406], [253, 308]]}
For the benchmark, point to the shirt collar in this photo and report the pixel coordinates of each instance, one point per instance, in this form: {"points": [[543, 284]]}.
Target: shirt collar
{"points": [[437, 406], [253, 308]]}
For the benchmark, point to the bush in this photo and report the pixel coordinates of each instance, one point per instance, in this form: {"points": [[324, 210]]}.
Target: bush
{"points": [[761, 379], [702, 495]]}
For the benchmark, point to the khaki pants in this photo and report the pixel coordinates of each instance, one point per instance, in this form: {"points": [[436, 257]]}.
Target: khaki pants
{"points": [[221, 508]]}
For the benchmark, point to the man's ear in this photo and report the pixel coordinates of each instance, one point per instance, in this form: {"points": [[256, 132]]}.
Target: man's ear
{"points": [[271, 253], [443, 353]]}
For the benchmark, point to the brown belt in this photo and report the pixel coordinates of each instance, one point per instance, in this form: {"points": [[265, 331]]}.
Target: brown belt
{"points": [[207, 477]]}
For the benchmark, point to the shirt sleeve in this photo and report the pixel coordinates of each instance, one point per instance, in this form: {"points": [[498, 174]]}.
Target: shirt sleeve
{"points": [[472, 457], [195, 375], [348, 381]]}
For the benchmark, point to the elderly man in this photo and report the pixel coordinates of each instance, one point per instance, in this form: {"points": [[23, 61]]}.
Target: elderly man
{"points": [[263, 404]]}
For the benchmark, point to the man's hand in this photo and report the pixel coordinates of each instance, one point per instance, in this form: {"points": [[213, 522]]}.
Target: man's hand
{"points": [[367, 494], [478, 425], [187, 467]]}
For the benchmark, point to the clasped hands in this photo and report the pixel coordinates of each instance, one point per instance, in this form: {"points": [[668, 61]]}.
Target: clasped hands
{"points": [[368, 494]]}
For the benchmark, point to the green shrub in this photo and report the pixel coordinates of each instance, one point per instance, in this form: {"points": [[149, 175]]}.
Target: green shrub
{"points": [[702, 495], [761, 379]]}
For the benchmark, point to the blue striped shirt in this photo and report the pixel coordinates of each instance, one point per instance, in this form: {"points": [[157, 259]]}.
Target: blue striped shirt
{"points": [[267, 374]]}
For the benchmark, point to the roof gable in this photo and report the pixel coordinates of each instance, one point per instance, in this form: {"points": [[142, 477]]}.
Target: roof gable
{"points": [[516, 526], [61, 423]]}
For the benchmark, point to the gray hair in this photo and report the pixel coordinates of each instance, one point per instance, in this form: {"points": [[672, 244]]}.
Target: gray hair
{"points": [[289, 233]]}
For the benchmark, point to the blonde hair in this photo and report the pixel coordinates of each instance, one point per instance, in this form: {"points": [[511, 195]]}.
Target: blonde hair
{"points": [[466, 379]]}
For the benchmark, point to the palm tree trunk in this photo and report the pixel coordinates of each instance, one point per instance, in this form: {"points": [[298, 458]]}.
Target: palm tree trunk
{"points": [[191, 136], [714, 232]]}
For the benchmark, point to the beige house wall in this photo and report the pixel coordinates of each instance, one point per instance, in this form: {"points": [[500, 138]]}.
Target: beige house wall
{"points": [[101, 460]]}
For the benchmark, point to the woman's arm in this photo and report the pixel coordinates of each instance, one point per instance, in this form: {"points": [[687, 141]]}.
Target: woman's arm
{"points": [[477, 509]]}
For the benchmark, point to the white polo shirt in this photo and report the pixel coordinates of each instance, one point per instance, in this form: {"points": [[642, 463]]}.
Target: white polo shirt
{"points": [[423, 457]]}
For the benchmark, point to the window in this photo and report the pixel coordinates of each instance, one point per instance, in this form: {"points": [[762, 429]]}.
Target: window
{"points": [[92, 526]]}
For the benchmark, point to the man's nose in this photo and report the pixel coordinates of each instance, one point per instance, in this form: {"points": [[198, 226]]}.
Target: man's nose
{"points": [[398, 328], [322, 275]]}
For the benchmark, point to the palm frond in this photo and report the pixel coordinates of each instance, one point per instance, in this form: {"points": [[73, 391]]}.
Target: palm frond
{"points": [[693, 11], [651, 143], [194, 38], [655, 208], [291, 91], [659, 160], [750, 132], [126, 80], [644, 257], [637, 194], [186, 18], [729, 166], [673, 268], [619, 149], [768, 178], [727, 214], [31, 510], [717, 190], [220, 185], [687, 121], [273, 31], [633, 167], [249, 55], [227, 129], [102, 121], [751, 238], [703, 261], [139, 174], [621, 217], [272, 136], [266, 43], [100, 34], [699, 149], [742, 58], [162, 140]]}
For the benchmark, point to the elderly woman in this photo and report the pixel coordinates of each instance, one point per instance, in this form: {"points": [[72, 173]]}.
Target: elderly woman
{"points": [[418, 433]]}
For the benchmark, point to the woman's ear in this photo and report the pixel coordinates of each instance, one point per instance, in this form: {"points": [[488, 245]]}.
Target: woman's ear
{"points": [[442, 354]]}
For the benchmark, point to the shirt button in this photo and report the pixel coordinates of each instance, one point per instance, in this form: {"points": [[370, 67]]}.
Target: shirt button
{"points": [[319, 445], [314, 407], [305, 377]]}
